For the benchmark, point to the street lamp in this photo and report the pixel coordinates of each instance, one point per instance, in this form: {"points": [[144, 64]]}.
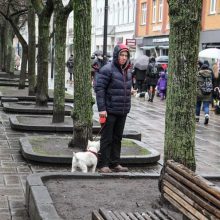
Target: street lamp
{"points": [[105, 32]]}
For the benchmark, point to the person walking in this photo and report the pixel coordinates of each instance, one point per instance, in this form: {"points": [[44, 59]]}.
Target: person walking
{"points": [[69, 65], [140, 79], [152, 77], [204, 91], [113, 95], [162, 85]]}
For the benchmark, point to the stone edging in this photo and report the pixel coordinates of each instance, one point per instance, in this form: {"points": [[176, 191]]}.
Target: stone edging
{"points": [[9, 107], [38, 200], [28, 153]]}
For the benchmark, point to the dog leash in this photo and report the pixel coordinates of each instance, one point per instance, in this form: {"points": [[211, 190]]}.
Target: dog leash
{"points": [[99, 131]]}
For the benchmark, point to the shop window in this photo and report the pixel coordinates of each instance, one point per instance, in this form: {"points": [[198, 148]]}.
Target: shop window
{"points": [[212, 6], [143, 13], [154, 11]]}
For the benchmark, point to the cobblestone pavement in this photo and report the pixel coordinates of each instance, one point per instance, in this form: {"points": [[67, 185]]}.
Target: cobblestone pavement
{"points": [[148, 118]]}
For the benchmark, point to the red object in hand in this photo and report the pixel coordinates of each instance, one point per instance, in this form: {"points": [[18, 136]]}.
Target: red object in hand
{"points": [[102, 119]]}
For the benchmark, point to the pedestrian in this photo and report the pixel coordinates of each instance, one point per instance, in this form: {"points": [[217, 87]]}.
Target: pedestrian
{"points": [[113, 95], [96, 66], [69, 65], [204, 91], [140, 79], [162, 85], [152, 77], [17, 62]]}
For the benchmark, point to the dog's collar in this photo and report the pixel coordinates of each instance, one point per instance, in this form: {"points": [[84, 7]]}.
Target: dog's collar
{"points": [[96, 154]]}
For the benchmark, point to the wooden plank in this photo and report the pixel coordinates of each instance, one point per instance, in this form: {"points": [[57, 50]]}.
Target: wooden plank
{"points": [[194, 199], [146, 216], [118, 215], [181, 208], [105, 214], [195, 178], [124, 215], [194, 187], [158, 213], [138, 215], [165, 212], [96, 215], [131, 215], [152, 215], [183, 203]]}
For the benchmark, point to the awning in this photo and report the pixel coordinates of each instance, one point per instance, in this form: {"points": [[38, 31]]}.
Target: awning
{"points": [[164, 47], [147, 47]]}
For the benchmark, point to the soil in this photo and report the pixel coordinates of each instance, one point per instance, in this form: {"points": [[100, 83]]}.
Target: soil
{"points": [[77, 198]]}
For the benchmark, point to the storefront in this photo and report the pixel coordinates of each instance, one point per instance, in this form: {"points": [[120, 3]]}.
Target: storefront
{"points": [[209, 39], [153, 46]]}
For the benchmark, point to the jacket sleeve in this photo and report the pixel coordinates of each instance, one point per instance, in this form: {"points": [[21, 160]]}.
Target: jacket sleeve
{"points": [[103, 78]]}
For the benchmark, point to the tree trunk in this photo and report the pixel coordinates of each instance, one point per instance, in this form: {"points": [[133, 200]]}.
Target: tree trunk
{"points": [[60, 19], [23, 65], [42, 61], [32, 49], [5, 46], [44, 12], [181, 98], [82, 112], [10, 54]]}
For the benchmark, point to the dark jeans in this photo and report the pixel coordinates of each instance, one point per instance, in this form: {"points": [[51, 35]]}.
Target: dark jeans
{"points": [[140, 85], [110, 142], [205, 106]]}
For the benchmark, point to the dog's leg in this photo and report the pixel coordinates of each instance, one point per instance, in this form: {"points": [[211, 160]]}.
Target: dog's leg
{"points": [[73, 169], [83, 168], [93, 168]]}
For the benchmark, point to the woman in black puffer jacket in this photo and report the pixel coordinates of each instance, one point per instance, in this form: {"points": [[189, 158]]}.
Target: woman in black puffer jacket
{"points": [[113, 95]]}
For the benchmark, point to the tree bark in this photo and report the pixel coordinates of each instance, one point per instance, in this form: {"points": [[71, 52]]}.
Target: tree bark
{"points": [[82, 112], [44, 14], [60, 19], [32, 49], [181, 97], [10, 56]]}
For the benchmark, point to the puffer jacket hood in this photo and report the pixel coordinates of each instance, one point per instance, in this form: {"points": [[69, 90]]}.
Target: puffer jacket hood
{"points": [[118, 48], [205, 73]]}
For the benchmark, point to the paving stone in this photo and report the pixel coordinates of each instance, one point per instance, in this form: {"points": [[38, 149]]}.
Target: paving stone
{"points": [[5, 216], [19, 212], [14, 217], [5, 157], [12, 180], [17, 204], [10, 191], [24, 169], [9, 151], [1, 180], [7, 170], [13, 164], [3, 202], [4, 144], [17, 157]]}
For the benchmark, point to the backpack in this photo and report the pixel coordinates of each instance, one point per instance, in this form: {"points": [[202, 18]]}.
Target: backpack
{"points": [[70, 65], [206, 86], [153, 71]]}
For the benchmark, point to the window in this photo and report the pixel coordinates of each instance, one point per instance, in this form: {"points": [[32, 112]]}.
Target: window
{"points": [[143, 13], [154, 11], [212, 6], [160, 10]]}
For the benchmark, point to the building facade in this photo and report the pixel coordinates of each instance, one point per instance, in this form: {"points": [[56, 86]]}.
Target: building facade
{"points": [[152, 26], [121, 24], [210, 32]]}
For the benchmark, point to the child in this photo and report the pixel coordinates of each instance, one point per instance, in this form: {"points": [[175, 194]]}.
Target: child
{"points": [[162, 85]]}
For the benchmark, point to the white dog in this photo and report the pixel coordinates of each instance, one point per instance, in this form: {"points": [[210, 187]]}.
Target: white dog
{"points": [[86, 160]]}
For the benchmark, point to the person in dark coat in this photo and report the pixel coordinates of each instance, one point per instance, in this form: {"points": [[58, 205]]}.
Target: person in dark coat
{"points": [[69, 65], [96, 66], [152, 77], [113, 96], [204, 75], [140, 79]]}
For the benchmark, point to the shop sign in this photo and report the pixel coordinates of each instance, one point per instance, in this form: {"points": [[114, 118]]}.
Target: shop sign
{"points": [[131, 42]]}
